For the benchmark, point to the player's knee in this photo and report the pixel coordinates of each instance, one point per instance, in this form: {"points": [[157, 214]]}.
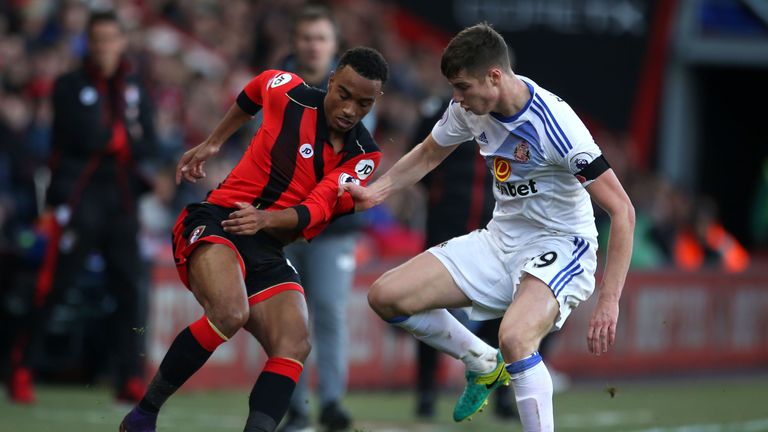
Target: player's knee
{"points": [[295, 345], [302, 349], [229, 318], [381, 300], [376, 295], [514, 345]]}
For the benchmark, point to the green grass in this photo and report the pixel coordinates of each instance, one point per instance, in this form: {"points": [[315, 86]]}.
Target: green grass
{"points": [[682, 405]]}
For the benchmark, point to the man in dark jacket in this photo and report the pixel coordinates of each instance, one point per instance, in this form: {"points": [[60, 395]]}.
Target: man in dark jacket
{"points": [[102, 131]]}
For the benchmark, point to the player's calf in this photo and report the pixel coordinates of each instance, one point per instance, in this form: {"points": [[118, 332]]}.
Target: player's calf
{"points": [[270, 396], [188, 353], [533, 392]]}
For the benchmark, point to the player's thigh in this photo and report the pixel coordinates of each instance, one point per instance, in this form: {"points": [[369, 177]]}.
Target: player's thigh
{"points": [[420, 284], [210, 264], [216, 279], [567, 265], [279, 323], [528, 319]]}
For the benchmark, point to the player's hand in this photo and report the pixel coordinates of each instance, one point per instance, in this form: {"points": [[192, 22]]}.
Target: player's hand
{"points": [[246, 221], [602, 326], [363, 196], [191, 164]]}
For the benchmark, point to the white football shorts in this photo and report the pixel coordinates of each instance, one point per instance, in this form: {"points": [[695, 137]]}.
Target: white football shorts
{"points": [[489, 275]]}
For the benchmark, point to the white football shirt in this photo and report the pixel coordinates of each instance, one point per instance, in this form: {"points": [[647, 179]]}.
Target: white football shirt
{"points": [[534, 156]]}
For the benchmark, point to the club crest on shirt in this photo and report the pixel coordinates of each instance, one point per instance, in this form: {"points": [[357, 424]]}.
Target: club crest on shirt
{"points": [[522, 152], [346, 178], [501, 169], [196, 233]]}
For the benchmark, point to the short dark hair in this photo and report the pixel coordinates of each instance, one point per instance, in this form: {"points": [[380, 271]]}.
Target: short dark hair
{"points": [[367, 62], [314, 13], [474, 50], [102, 16]]}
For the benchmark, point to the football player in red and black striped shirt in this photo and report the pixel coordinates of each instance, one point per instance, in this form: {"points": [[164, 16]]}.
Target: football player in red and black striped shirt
{"points": [[229, 248]]}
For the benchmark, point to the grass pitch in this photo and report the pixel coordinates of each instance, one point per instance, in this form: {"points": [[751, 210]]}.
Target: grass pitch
{"points": [[681, 405]]}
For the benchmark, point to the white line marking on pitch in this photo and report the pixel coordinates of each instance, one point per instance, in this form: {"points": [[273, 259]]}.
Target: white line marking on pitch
{"points": [[757, 425]]}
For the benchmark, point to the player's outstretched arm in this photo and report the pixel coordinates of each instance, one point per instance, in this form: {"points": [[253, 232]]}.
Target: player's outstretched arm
{"points": [[405, 172], [608, 193], [192, 162]]}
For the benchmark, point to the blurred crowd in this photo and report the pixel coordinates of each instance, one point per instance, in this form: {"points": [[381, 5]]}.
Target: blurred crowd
{"points": [[195, 57]]}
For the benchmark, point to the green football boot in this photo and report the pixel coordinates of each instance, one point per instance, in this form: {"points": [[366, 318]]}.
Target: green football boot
{"points": [[479, 386]]}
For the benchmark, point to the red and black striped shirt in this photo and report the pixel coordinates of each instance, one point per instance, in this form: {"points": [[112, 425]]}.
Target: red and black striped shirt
{"points": [[290, 161]]}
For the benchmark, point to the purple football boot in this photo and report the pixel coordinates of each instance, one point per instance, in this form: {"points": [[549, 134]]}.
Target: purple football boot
{"points": [[139, 420]]}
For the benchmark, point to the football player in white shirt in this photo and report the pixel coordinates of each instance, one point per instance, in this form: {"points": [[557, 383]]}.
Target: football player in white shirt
{"points": [[535, 261]]}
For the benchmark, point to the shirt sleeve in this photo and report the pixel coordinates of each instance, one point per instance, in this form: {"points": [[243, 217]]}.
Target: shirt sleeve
{"points": [[571, 146], [452, 128], [256, 93], [323, 203], [585, 160], [344, 205]]}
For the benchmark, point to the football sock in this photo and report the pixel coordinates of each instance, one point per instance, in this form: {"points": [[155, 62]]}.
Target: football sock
{"points": [[441, 330], [271, 394], [533, 393], [188, 353]]}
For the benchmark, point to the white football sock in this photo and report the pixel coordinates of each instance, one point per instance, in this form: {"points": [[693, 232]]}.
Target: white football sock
{"points": [[442, 331], [533, 392]]}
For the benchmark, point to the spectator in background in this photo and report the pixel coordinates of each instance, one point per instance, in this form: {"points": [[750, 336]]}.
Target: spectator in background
{"points": [[102, 132], [705, 242], [19, 247], [327, 264], [688, 232]]}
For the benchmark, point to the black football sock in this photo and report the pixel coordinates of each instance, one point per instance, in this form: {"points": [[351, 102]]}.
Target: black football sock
{"points": [[187, 354], [271, 394]]}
